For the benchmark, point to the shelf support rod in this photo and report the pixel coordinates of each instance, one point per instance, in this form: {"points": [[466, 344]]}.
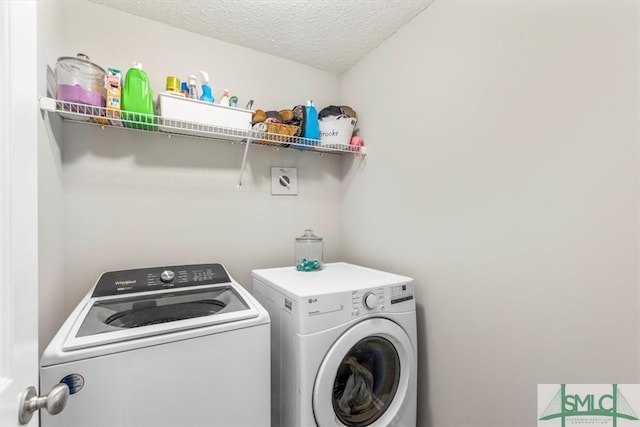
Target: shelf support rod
{"points": [[244, 163]]}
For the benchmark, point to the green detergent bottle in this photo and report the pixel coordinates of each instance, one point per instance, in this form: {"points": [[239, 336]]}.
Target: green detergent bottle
{"points": [[137, 100]]}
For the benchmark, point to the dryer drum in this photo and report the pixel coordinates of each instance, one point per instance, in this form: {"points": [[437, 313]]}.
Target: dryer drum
{"points": [[366, 381], [152, 314]]}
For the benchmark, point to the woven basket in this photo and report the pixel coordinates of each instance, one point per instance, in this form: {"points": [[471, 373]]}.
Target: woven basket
{"points": [[278, 134]]}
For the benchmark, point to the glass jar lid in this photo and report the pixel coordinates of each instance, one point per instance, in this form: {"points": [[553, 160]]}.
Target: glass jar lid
{"points": [[308, 236], [79, 64]]}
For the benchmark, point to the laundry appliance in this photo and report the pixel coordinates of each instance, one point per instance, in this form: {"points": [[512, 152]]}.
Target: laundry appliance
{"points": [[343, 346], [168, 346]]}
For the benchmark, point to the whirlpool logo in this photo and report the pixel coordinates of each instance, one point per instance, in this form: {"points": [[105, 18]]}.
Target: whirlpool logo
{"points": [[615, 405]]}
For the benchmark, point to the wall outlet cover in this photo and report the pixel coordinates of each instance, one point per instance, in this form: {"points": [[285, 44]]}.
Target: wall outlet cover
{"points": [[284, 181]]}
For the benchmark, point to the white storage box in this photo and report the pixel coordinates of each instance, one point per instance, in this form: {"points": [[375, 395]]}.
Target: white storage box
{"points": [[195, 117], [336, 132]]}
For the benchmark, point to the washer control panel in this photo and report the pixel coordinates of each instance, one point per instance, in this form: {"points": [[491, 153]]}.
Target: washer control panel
{"points": [[151, 279]]}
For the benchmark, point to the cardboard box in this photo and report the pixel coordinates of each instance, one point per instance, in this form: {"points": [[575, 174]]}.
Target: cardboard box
{"points": [[114, 95]]}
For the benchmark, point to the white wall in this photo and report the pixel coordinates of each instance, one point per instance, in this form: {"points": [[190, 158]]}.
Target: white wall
{"points": [[137, 199], [503, 176], [50, 208]]}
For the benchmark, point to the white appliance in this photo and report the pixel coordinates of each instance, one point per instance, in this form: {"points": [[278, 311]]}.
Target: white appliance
{"points": [[343, 346], [167, 346]]}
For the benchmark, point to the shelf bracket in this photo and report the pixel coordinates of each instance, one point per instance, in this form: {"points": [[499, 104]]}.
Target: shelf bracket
{"points": [[48, 104], [244, 163]]}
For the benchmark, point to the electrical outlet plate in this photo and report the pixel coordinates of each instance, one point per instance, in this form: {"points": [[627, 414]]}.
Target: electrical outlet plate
{"points": [[284, 181]]}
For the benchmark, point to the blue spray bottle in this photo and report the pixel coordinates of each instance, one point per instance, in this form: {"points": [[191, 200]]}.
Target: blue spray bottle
{"points": [[207, 95]]}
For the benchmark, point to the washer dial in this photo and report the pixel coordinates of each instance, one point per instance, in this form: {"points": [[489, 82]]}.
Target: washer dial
{"points": [[167, 276]]}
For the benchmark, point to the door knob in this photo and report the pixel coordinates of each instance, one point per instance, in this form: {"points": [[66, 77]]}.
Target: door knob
{"points": [[30, 402]]}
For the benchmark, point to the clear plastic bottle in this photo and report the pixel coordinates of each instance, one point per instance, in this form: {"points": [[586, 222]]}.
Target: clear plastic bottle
{"points": [[309, 250], [193, 89]]}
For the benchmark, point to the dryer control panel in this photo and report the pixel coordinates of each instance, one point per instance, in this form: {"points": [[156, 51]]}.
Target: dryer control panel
{"points": [[377, 300], [368, 300], [401, 293]]}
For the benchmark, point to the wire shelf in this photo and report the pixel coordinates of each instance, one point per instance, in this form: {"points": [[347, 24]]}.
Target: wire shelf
{"points": [[152, 123]]}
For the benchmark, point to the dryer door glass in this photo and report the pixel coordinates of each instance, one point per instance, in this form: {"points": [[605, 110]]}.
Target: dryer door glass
{"points": [[366, 381]]}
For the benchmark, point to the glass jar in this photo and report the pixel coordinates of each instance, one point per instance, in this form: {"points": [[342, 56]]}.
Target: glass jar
{"points": [[81, 81], [309, 249]]}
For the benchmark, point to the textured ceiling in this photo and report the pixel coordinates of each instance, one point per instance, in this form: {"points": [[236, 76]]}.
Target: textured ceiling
{"points": [[331, 35]]}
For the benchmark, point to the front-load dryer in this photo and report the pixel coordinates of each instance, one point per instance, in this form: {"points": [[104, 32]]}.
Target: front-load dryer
{"points": [[343, 346], [168, 346]]}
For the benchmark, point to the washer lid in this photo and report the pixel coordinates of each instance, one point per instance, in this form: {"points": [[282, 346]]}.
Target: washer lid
{"points": [[120, 318]]}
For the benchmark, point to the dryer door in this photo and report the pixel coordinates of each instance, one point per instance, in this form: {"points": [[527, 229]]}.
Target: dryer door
{"points": [[364, 378]]}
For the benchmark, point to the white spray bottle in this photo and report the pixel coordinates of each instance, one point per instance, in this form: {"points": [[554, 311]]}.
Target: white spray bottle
{"points": [[225, 98]]}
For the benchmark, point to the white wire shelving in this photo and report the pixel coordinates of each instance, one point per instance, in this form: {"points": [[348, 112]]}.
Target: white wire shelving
{"points": [[87, 114]]}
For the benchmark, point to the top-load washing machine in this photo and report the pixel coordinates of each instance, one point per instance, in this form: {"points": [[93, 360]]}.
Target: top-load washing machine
{"points": [[168, 346], [343, 346]]}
